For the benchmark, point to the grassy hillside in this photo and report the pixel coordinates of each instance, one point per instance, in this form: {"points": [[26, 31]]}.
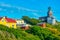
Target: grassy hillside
{"points": [[51, 32], [15, 34]]}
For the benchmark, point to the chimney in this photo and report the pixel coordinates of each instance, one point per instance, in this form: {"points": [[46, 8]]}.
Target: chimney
{"points": [[5, 17]]}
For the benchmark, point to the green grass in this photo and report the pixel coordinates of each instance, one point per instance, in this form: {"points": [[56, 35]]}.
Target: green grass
{"points": [[51, 32], [15, 34]]}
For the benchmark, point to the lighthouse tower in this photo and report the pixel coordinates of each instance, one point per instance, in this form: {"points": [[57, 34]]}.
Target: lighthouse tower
{"points": [[49, 13], [50, 18]]}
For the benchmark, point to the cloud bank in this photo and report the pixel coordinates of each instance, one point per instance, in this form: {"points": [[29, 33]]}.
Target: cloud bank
{"points": [[19, 8], [34, 12]]}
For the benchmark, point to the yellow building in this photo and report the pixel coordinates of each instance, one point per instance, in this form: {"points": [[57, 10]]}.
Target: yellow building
{"points": [[11, 23]]}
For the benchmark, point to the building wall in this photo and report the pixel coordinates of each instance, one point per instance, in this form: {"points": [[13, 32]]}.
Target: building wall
{"points": [[42, 24], [20, 21], [44, 19], [3, 21], [51, 21], [10, 25]]}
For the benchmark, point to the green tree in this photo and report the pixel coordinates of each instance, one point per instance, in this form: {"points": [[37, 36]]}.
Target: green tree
{"points": [[29, 20], [15, 34], [43, 33]]}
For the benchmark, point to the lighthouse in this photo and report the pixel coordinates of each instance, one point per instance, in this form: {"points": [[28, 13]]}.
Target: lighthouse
{"points": [[50, 17]]}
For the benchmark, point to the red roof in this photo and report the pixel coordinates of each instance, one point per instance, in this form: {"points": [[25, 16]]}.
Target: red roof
{"points": [[9, 20], [0, 18]]}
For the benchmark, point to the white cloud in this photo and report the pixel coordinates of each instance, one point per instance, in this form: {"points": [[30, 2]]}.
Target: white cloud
{"points": [[19, 8], [1, 9], [33, 0], [11, 11], [5, 5], [35, 14]]}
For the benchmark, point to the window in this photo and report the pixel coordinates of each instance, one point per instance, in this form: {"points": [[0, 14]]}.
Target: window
{"points": [[12, 26], [2, 20], [7, 25], [22, 22]]}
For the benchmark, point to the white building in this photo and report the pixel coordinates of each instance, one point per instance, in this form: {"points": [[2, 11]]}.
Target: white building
{"points": [[20, 21], [49, 18]]}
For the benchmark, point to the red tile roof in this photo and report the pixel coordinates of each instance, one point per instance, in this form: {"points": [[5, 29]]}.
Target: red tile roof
{"points": [[0, 18], [9, 20]]}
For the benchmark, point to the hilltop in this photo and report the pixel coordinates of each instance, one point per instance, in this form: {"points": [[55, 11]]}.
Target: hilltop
{"points": [[51, 32]]}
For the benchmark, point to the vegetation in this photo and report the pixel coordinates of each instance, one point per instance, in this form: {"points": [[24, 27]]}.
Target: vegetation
{"points": [[44, 33], [51, 32], [31, 21], [15, 34]]}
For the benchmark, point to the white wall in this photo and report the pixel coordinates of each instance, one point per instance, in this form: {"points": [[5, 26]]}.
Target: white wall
{"points": [[51, 21], [20, 21]]}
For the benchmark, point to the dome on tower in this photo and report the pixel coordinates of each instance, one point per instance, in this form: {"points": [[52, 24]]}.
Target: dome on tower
{"points": [[49, 12]]}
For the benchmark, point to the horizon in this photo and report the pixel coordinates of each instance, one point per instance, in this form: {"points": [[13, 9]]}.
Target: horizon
{"points": [[32, 8]]}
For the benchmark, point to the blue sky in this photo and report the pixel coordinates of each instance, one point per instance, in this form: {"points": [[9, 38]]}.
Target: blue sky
{"points": [[32, 8]]}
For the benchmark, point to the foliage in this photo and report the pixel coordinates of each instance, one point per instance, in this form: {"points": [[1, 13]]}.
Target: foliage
{"points": [[16, 33], [43, 33], [51, 32], [31, 21]]}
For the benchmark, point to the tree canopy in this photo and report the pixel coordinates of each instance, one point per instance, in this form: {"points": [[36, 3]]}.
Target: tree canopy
{"points": [[31, 21]]}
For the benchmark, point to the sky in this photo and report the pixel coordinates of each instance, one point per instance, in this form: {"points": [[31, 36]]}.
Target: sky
{"points": [[32, 8]]}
